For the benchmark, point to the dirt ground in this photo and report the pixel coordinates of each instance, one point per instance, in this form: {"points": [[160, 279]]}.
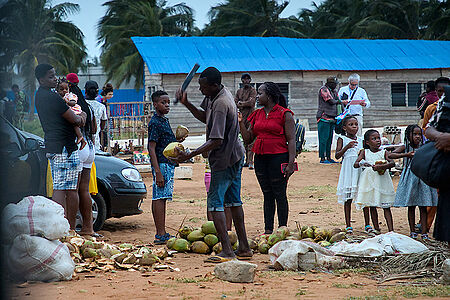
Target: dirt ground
{"points": [[312, 201]]}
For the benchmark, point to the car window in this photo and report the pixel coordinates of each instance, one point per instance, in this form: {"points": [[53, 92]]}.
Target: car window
{"points": [[8, 135]]}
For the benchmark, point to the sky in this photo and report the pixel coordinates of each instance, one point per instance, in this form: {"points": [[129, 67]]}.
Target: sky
{"points": [[92, 10]]}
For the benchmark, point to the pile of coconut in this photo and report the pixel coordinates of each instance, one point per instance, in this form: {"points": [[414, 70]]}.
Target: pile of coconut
{"points": [[204, 240], [90, 255]]}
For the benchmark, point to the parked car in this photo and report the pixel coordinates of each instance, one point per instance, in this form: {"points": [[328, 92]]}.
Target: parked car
{"points": [[121, 190]]}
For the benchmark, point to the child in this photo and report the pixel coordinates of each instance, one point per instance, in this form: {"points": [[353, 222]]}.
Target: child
{"points": [[160, 135], [71, 100], [375, 184], [348, 147], [411, 191]]}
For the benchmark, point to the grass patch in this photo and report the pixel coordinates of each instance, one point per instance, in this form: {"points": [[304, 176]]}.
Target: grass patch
{"points": [[300, 292], [371, 297], [195, 220], [193, 280], [422, 291], [33, 126], [354, 270], [346, 286]]}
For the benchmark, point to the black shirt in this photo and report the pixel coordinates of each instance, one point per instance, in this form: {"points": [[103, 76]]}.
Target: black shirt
{"points": [[159, 131], [58, 131]]}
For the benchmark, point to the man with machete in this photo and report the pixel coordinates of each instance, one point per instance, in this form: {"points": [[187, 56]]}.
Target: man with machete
{"points": [[226, 157]]}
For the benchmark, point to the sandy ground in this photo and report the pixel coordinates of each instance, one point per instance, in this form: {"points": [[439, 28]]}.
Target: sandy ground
{"points": [[312, 201]]}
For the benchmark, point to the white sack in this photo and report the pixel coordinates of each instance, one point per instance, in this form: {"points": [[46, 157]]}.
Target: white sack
{"points": [[384, 244], [33, 258], [34, 215]]}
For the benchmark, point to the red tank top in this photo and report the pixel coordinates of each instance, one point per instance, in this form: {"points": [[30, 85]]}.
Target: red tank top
{"points": [[269, 130]]}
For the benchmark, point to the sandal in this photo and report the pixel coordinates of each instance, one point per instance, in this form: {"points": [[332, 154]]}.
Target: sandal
{"points": [[162, 239], [243, 257], [369, 230], [413, 235], [425, 237], [216, 259], [349, 230]]}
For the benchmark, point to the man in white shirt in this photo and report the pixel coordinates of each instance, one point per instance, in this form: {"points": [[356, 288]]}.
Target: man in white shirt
{"points": [[353, 92], [100, 118]]}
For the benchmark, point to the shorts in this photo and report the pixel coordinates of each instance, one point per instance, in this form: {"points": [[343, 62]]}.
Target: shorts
{"points": [[166, 192], [225, 188], [65, 169], [87, 155]]}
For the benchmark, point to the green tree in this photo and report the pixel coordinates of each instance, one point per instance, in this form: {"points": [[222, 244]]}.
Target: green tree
{"points": [[33, 32], [127, 18], [251, 18]]}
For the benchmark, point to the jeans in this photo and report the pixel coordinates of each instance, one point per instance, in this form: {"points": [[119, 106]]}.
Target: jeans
{"points": [[273, 185], [325, 130]]}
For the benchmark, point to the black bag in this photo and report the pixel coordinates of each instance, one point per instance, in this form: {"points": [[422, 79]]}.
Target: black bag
{"points": [[432, 165]]}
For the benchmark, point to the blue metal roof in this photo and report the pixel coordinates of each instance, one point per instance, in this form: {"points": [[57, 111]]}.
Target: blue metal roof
{"points": [[170, 55]]}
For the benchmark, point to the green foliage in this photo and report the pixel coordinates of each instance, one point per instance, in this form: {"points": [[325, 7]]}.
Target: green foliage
{"points": [[33, 32], [127, 18], [33, 126]]}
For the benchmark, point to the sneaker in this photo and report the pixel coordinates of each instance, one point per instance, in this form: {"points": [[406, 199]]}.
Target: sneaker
{"points": [[245, 165], [369, 230], [418, 228], [413, 235], [325, 162], [162, 239], [349, 230], [250, 166], [424, 237], [332, 161]]}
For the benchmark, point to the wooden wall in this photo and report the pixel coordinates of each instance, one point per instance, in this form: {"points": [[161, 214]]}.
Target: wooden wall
{"points": [[303, 90]]}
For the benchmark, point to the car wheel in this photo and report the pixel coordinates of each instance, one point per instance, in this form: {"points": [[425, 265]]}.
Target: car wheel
{"points": [[98, 211]]}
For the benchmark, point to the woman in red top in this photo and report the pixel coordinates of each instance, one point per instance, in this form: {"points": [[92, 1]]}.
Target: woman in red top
{"points": [[273, 127]]}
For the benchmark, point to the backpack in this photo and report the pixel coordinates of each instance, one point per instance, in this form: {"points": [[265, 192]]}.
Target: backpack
{"points": [[299, 137]]}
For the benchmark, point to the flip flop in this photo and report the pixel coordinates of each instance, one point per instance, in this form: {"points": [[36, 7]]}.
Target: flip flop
{"points": [[215, 259], [242, 257]]}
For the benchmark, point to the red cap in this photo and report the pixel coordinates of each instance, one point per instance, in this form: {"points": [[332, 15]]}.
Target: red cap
{"points": [[72, 77]]}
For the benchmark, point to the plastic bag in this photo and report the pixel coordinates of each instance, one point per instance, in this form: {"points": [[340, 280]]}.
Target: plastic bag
{"points": [[33, 258], [34, 215], [300, 255], [383, 244]]}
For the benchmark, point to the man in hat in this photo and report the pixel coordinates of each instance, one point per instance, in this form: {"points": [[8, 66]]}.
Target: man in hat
{"points": [[245, 100], [326, 114]]}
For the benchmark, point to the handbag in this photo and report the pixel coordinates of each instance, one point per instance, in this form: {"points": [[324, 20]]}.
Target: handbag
{"points": [[346, 111], [432, 165]]}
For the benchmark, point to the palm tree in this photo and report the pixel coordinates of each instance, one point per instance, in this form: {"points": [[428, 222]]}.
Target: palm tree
{"points": [[251, 18], [33, 32], [126, 18]]}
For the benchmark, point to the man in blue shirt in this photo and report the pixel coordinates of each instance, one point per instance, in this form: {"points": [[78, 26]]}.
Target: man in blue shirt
{"points": [[353, 92]]}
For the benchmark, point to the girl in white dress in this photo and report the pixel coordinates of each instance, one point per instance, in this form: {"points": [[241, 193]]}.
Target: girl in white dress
{"points": [[348, 147], [375, 188]]}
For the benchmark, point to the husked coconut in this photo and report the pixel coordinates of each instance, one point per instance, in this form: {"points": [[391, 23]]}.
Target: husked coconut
{"points": [[233, 237], [200, 247]]}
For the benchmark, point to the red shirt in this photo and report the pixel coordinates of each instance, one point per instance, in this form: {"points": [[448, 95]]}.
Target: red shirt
{"points": [[269, 131]]}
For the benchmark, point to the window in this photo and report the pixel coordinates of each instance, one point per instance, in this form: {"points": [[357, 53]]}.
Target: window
{"points": [[405, 94]]}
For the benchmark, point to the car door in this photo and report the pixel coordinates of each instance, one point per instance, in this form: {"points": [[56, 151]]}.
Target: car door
{"points": [[20, 171]]}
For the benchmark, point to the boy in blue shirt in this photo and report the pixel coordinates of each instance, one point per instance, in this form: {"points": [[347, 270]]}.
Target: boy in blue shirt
{"points": [[160, 135]]}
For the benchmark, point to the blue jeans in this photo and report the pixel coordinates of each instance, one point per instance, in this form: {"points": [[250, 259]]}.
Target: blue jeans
{"points": [[225, 188]]}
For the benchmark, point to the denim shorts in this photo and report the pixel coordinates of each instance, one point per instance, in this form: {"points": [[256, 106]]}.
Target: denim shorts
{"points": [[65, 169], [165, 192], [225, 188]]}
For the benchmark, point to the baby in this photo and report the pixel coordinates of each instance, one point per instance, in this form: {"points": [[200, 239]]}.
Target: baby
{"points": [[71, 100]]}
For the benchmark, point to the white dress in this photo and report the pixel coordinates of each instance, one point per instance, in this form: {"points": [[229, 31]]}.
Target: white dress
{"points": [[347, 187], [375, 189]]}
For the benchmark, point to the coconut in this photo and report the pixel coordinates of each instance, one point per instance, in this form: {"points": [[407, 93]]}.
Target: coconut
{"points": [[181, 132], [253, 245], [336, 230], [105, 253], [119, 257], [125, 246], [320, 234], [324, 243], [89, 253], [308, 240], [147, 259], [200, 247], [233, 237], [181, 245], [144, 250], [283, 231], [274, 238], [72, 248], [170, 242], [184, 232], [217, 248], [263, 248], [210, 240], [130, 259], [338, 237], [196, 235], [308, 233], [173, 149], [87, 244], [235, 246], [160, 253], [209, 228]]}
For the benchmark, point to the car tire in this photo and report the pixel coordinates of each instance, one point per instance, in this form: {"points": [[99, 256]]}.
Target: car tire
{"points": [[101, 211]]}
